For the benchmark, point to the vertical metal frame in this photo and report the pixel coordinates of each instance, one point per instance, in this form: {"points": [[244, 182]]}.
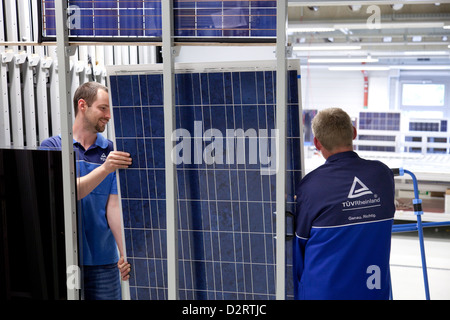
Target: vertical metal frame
{"points": [[41, 95], [281, 103], [125, 285], [27, 70], [170, 167], [5, 133], [10, 9], [70, 214], [54, 91]]}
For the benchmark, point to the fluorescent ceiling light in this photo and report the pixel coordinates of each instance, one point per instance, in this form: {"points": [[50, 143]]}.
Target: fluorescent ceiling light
{"points": [[393, 25], [385, 68], [412, 67], [311, 29], [359, 68], [329, 47], [425, 53], [343, 60], [446, 26]]}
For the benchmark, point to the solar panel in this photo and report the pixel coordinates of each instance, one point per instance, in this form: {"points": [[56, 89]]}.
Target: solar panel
{"points": [[142, 18], [389, 121], [226, 186]]}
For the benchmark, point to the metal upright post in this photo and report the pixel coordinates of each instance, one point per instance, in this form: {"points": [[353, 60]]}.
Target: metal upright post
{"points": [[5, 131], [169, 126], [281, 144], [14, 76], [70, 214]]}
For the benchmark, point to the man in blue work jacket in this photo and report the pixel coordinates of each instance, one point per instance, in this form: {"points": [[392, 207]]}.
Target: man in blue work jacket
{"points": [[343, 220], [97, 191]]}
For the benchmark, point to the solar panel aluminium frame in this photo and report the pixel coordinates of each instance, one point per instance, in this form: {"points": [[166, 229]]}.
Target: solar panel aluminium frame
{"points": [[222, 67], [69, 185]]}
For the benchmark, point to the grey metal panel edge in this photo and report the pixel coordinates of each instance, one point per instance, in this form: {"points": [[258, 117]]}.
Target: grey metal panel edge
{"points": [[281, 103], [170, 168], [70, 214]]}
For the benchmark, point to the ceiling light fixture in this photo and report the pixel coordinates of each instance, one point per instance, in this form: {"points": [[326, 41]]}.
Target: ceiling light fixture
{"points": [[355, 7], [385, 68], [413, 67], [425, 53], [396, 6], [359, 68], [329, 47], [311, 29], [342, 60]]}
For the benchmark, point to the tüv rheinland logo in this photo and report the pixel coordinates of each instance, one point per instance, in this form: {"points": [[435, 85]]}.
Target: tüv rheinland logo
{"points": [[230, 147]]}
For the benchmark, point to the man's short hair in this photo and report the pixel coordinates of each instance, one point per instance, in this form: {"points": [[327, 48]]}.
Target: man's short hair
{"points": [[88, 92], [333, 128]]}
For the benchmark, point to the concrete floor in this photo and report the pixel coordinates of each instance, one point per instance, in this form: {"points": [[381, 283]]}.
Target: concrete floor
{"points": [[406, 267]]}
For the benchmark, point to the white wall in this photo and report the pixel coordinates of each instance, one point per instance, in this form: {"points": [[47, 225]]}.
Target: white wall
{"points": [[379, 87], [322, 89], [225, 53]]}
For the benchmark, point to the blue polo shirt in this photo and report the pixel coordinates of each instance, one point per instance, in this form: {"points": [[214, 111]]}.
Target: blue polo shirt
{"points": [[98, 243], [343, 224]]}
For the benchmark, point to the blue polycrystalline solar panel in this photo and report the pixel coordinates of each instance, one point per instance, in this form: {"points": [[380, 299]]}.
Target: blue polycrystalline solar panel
{"points": [[225, 18], [425, 126], [226, 191], [379, 121], [142, 18]]}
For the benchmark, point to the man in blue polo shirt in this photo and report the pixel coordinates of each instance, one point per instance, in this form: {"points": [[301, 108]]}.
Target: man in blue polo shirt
{"points": [[343, 219], [97, 191]]}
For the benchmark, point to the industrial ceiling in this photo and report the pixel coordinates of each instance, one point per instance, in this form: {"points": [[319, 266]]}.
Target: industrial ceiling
{"points": [[377, 33]]}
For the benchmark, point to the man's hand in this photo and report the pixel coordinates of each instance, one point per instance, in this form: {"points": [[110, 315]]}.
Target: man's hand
{"points": [[124, 268], [117, 160]]}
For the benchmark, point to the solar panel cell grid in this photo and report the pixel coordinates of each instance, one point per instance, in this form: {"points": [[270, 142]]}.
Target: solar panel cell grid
{"points": [[225, 206], [211, 19]]}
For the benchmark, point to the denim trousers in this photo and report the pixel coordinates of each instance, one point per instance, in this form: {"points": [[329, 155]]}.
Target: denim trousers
{"points": [[101, 282]]}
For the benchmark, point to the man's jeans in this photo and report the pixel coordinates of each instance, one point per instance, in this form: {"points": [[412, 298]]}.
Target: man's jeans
{"points": [[102, 282]]}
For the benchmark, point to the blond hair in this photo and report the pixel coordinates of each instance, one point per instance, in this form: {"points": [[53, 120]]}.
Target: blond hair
{"points": [[333, 128]]}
